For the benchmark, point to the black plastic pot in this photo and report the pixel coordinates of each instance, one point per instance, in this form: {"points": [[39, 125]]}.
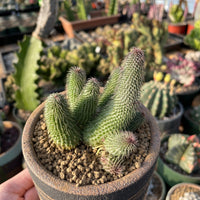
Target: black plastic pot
{"points": [[171, 125]]}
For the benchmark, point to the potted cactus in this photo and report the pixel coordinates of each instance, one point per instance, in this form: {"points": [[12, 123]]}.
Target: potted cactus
{"points": [[177, 16], [159, 97], [179, 159], [107, 145], [185, 72], [191, 120], [184, 191], [10, 149]]}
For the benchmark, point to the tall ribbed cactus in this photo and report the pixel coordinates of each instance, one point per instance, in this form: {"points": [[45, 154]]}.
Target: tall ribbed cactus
{"points": [[159, 98], [61, 126], [184, 151], [121, 111]]}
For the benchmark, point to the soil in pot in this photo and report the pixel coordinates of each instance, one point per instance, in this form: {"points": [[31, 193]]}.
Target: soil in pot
{"points": [[163, 150], [82, 165], [156, 189], [8, 139]]}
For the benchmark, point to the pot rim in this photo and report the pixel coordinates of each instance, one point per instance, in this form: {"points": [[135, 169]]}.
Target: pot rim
{"points": [[11, 153], [167, 166], [88, 190], [178, 115]]}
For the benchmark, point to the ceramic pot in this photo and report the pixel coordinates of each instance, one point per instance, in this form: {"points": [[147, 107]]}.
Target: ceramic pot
{"points": [[171, 125], [11, 160], [132, 186], [178, 190], [190, 27], [171, 176], [179, 28]]}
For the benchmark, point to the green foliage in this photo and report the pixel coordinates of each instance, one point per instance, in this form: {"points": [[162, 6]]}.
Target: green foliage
{"points": [[193, 38], [25, 75], [184, 151], [61, 126], [53, 65], [159, 98]]}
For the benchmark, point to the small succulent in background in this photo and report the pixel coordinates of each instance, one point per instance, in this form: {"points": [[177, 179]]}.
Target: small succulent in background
{"points": [[158, 96], [182, 70], [195, 114], [184, 151]]}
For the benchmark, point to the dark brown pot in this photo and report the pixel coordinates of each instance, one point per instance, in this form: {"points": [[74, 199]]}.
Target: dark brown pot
{"points": [[70, 27], [11, 160], [132, 186], [177, 28]]}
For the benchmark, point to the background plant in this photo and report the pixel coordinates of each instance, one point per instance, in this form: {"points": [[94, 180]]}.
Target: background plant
{"points": [[184, 151]]}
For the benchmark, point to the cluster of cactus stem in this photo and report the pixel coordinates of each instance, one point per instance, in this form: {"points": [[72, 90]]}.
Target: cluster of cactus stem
{"points": [[184, 151], [158, 95], [182, 70], [57, 61], [152, 37], [53, 65], [104, 120]]}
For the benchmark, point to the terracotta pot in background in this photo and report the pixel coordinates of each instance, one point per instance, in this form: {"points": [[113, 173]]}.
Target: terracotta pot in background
{"points": [[11, 160], [132, 186], [190, 27], [179, 28], [70, 27], [178, 190]]}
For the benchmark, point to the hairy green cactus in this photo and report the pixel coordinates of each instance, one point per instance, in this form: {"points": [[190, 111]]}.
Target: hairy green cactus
{"points": [[118, 114], [61, 126], [25, 75], [159, 98], [81, 10], [76, 78], [184, 151], [109, 88], [86, 104], [121, 144]]}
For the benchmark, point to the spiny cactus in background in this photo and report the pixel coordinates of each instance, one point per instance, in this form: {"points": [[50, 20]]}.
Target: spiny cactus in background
{"points": [[61, 126], [177, 13], [68, 10], [195, 114], [121, 144], [81, 10], [184, 151], [159, 97], [122, 110], [182, 70], [113, 7], [84, 56], [152, 36], [53, 65], [25, 75]]}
